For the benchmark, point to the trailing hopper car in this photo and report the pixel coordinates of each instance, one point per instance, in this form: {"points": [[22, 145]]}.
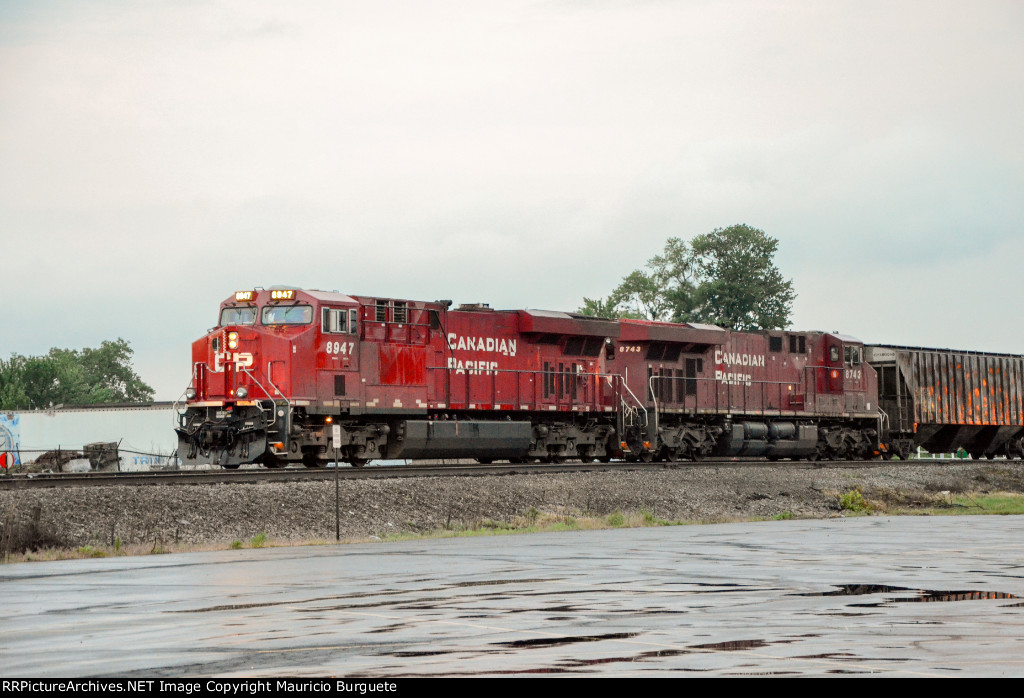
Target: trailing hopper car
{"points": [[409, 379], [945, 400]]}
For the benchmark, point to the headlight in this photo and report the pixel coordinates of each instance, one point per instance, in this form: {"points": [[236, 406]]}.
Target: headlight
{"points": [[232, 340], [242, 392], [190, 394]]}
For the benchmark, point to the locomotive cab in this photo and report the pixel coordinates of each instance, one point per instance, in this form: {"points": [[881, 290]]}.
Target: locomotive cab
{"points": [[254, 370]]}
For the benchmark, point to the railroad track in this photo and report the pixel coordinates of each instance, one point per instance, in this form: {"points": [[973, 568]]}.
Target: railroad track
{"points": [[258, 475]]}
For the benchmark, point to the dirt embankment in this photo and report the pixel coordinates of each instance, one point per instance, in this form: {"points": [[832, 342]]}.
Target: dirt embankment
{"points": [[219, 514]]}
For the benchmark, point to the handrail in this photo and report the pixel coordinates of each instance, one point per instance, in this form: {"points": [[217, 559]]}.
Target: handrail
{"points": [[174, 407], [625, 384], [493, 372], [276, 389], [654, 399], [267, 392]]}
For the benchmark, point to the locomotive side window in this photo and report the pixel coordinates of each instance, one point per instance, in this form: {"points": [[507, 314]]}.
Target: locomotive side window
{"points": [[797, 344], [775, 344], [855, 356], [833, 353], [352, 315], [245, 315], [287, 314], [335, 321]]}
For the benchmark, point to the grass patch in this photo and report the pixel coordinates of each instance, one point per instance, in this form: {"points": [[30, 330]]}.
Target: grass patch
{"points": [[91, 551], [535, 521], [258, 541], [948, 504], [783, 516]]}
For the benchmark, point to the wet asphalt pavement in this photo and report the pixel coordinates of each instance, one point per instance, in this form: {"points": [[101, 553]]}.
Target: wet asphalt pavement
{"points": [[909, 596]]}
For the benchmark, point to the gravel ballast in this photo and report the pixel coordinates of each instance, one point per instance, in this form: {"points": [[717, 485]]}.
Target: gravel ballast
{"points": [[219, 514]]}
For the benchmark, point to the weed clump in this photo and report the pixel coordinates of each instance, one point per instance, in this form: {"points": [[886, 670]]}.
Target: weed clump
{"points": [[853, 501]]}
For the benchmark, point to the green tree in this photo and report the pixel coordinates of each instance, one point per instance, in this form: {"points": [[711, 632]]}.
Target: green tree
{"points": [[678, 273], [598, 307], [726, 277], [72, 377], [640, 295], [741, 288]]}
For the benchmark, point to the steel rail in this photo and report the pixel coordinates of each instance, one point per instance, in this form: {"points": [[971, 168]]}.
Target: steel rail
{"points": [[260, 475]]}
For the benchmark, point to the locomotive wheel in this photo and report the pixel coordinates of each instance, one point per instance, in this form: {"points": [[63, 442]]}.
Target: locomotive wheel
{"points": [[604, 459], [312, 459], [556, 460], [357, 462], [484, 461], [271, 461], [230, 466], [646, 457]]}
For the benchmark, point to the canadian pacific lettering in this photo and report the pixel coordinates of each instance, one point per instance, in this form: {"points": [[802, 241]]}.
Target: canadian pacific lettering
{"points": [[735, 359], [497, 345], [472, 367], [728, 359]]}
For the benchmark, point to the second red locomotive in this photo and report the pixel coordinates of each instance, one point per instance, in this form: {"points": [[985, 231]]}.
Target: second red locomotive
{"points": [[408, 379]]}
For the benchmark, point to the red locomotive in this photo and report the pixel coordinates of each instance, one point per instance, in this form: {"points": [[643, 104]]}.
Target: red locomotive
{"points": [[408, 379]]}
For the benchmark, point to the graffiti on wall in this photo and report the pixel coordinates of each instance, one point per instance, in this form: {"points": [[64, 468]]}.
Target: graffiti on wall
{"points": [[10, 437]]}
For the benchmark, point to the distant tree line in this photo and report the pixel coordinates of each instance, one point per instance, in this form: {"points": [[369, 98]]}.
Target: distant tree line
{"points": [[72, 377], [726, 277]]}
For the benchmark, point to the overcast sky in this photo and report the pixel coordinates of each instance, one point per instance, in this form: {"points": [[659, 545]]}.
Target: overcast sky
{"points": [[155, 157]]}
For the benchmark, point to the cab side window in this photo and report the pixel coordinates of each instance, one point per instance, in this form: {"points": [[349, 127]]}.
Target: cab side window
{"points": [[335, 321]]}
